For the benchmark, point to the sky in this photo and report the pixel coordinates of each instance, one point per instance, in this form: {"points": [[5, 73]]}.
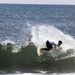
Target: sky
{"points": [[67, 2]]}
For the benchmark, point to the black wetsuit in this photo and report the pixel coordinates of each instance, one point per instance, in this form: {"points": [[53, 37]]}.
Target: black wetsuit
{"points": [[48, 45]]}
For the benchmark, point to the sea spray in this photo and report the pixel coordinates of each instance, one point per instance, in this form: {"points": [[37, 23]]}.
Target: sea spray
{"points": [[41, 33]]}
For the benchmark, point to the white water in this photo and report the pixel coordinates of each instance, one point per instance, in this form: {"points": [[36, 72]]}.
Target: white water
{"points": [[8, 41], [41, 33]]}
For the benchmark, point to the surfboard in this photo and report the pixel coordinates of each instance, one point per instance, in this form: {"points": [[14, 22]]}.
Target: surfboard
{"points": [[38, 51]]}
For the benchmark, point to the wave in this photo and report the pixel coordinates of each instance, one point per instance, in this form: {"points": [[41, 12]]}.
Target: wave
{"points": [[27, 54], [24, 55]]}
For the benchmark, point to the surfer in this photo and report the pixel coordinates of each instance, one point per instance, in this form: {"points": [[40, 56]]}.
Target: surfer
{"points": [[50, 45], [29, 40]]}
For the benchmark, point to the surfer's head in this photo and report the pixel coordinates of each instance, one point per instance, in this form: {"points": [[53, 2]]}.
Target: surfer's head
{"points": [[59, 42]]}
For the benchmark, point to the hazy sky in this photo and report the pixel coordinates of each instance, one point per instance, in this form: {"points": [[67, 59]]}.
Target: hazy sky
{"points": [[39, 1]]}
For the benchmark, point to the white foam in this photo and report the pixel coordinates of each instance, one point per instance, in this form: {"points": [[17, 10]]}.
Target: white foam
{"points": [[41, 33], [8, 41]]}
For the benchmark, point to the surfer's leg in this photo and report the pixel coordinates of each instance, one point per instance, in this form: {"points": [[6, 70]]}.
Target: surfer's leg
{"points": [[46, 49], [48, 45]]}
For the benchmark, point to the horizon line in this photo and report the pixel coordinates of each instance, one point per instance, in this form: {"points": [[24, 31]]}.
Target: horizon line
{"points": [[36, 4]]}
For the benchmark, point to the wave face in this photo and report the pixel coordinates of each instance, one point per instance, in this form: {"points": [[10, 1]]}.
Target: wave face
{"points": [[24, 57]]}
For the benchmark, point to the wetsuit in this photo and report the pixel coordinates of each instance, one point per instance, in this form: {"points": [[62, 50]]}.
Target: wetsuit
{"points": [[49, 45]]}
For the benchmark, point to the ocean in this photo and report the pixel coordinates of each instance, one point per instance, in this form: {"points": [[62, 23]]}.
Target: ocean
{"points": [[19, 22]]}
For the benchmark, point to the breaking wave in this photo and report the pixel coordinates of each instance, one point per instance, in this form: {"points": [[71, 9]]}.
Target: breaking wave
{"points": [[24, 55]]}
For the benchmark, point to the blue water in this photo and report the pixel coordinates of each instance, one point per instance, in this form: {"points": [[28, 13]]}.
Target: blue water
{"points": [[18, 22]]}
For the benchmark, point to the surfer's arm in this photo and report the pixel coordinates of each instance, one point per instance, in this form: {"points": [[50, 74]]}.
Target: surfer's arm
{"points": [[54, 46]]}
